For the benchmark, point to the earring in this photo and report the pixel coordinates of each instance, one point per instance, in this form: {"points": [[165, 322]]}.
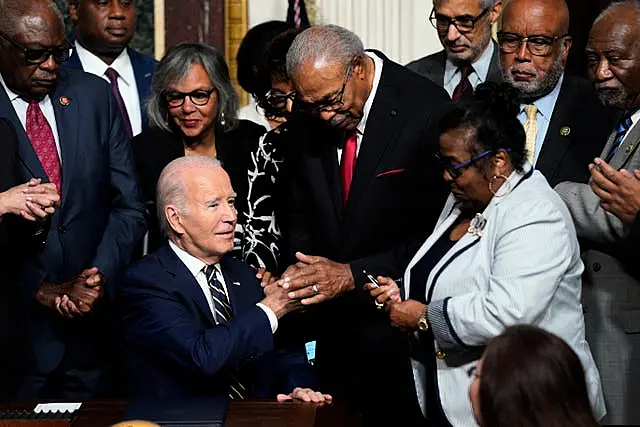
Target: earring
{"points": [[495, 177], [223, 121]]}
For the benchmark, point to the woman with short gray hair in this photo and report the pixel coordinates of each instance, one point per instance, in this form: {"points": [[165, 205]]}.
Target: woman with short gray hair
{"points": [[192, 111]]}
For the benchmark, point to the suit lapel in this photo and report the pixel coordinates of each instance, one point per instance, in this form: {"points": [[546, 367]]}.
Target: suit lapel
{"points": [[237, 298], [143, 81], [435, 69], [495, 74], [626, 149], [74, 62]]}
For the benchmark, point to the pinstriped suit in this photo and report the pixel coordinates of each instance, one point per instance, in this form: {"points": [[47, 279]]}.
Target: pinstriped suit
{"points": [[611, 292]]}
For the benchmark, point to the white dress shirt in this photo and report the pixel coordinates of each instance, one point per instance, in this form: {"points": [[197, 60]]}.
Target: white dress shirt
{"points": [[545, 106], [196, 267], [479, 75], [126, 81], [252, 112], [634, 121], [20, 106], [377, 62]]}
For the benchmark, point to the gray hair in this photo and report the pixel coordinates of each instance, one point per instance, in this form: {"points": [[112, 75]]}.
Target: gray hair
{"points": [[327, 43], [175, 66], [617, 3], [170, 189], [12, 10], [484, 4]]}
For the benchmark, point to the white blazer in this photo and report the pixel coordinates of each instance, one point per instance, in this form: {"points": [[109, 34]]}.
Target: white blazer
{"points": [[524, 268]]}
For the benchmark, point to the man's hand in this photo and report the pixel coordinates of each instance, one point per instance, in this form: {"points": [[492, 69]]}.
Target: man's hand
{"points": [[266, 277], [316, 279], [31, 200], [305, 395], [278, 301], [406, 314], [75, 297], [619, 191]]}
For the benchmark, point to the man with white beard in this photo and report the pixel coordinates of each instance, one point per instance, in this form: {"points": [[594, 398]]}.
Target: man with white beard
{"points": [[565, 123]]}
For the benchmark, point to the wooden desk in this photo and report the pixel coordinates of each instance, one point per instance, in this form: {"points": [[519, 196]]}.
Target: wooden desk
{"points": [[246, 413]]}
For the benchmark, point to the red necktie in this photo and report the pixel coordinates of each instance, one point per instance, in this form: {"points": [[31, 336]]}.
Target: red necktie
{"points": [[464, 90], [112, 75], [41, 137], [348, 163]]}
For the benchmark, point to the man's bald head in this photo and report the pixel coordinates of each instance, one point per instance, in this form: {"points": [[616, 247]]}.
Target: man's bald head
{"points": [[14, 12]]}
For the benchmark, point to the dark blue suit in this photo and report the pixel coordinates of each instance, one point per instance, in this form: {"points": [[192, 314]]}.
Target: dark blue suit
{"points": [[99, 223], [175, 348], [143, 68]]}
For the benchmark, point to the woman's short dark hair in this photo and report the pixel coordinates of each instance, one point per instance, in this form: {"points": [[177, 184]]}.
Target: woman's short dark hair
{"points": [[532, 378], [492, 113], [175, 66], [251, 51], [274, 63]]}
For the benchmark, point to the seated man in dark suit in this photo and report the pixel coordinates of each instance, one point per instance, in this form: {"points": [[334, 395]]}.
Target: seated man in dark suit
{"points": [[103, 31], [196, 322]]}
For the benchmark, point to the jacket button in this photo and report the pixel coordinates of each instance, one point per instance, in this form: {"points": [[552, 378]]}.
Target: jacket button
{"points": [[441, 354], [597, 267]]}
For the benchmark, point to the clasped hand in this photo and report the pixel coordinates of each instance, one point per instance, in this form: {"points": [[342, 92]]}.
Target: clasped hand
{"points": [[76, 297], [32, 200], [404, 315], [618, 190]]}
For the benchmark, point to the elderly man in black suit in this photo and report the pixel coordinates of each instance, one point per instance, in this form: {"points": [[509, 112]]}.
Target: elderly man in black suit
{"points": [[364, 189], [565, 123], [470, 56]]}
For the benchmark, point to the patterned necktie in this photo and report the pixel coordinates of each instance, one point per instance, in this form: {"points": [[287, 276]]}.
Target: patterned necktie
{"points": [[464, 90], [112, 75], [41, 137], [531, 130], [348, 163], [223, 313], [623, 126]]}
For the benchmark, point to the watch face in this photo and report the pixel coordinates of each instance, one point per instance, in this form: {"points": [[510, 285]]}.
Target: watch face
{"points": [[423, 325]]}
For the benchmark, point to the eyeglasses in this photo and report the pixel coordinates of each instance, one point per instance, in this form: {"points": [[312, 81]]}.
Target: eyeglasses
{"points": [[38, 56], [538, 45], [455, 171], [315, 108], [276, 99], [198, 97], [463, 24]]}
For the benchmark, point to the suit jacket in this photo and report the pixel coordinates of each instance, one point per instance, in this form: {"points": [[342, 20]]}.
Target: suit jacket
{"points": [[432, 66], [578, 129], [143, 68], [8, 178], [611, 287], [175, 347], [100, 219], [525, 268], [394, 199]]}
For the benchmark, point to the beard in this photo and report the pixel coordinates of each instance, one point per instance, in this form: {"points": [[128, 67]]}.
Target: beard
{"points": [[470, 56], [541, 85], [613, 96]]}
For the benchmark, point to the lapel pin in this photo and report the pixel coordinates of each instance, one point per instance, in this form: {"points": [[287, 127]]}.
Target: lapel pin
{"points": [[393, 113], [236, 283], [565, 131], [629, 148], [64, 101]]}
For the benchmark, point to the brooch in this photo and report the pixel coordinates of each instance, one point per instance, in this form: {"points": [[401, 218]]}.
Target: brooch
{"points": [[477, 225]]}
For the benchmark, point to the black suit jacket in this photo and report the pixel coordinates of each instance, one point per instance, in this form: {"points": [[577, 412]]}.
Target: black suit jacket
{"points": [[394, 200], [578, 130], [432, 66], [8, 178]]}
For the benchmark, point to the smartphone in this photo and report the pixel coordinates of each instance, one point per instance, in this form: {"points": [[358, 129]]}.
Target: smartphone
{"points": [[372, 279]]}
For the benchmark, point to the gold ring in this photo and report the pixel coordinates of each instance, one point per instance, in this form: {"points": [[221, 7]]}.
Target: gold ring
{"points": [[315, 289]]}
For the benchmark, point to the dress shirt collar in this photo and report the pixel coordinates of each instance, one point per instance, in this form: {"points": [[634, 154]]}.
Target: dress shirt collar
{"points": [[94, 65], [377, 74], [547, 103], [193, 264], [480, 67]]}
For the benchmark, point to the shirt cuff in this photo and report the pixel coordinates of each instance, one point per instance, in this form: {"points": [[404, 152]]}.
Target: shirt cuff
{"points": [[273, 319]]}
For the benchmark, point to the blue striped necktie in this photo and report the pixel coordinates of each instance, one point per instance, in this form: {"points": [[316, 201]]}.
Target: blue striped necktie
{"points": [[623, 126], [224, 313]]}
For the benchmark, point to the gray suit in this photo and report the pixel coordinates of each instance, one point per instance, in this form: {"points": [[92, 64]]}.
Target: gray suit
{"points": [[611, 290], [432, 66]]}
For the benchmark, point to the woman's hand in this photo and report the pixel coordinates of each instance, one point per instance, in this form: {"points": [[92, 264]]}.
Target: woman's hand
{"points": [[407, 314], [305, 395], [387, 294], [32, 200]]}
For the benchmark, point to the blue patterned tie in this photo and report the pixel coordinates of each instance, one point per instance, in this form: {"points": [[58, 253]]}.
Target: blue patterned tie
{"points": [[224, 313], [623, 126]]}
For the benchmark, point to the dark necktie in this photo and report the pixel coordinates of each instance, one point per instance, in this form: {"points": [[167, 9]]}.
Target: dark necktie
{"points": [[112, 75], [348, 163], [40, 134], [623, 126], [223, 313], [464, 90]]}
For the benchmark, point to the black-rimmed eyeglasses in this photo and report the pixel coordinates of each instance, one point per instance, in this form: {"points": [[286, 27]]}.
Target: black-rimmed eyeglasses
{"points": [[538, 45], [315, 108], [455, 171], [38, 56], [198, 97], [464, 23]]}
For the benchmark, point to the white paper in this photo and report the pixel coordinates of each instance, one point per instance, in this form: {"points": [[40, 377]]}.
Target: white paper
{"points": [[56, 407]]}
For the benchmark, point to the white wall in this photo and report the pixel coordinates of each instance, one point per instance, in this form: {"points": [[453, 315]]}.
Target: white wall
{"points": [[399, 28]]}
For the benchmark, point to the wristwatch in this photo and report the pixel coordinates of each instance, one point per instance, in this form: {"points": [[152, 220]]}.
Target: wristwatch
{"points": [[423, 322]]}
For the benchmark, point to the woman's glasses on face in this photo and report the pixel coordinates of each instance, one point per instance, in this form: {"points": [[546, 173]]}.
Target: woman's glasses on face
{"points": [[455, 171], [198, 97]]}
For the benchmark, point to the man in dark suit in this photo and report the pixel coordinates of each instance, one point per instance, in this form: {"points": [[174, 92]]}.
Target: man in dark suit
{"points": [[196, 322], [70, 133], [103, 31], [365, 189], [470, 56], [566, 124]]}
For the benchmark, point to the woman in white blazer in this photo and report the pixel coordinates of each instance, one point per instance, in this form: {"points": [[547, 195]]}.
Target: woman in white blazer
{"points": [[503, 252]]}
